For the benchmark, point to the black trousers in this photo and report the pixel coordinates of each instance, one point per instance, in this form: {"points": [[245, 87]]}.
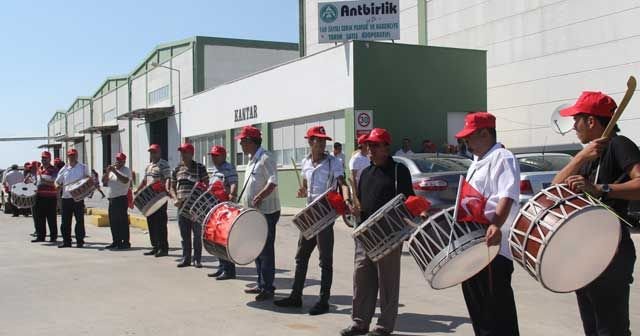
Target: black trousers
{"points": [[118, 220], [492, 308], [324, 241], [157, 224], [45, 212], [187, 226], [71, 208], [604, 303]]}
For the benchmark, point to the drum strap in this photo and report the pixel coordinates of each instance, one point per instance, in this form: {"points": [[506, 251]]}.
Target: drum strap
{"points": [[246, 180]]}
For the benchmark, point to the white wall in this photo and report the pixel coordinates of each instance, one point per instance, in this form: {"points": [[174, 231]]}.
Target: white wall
{"points": [[224, 63], [541, 54], [280, 93], [408, 24]]}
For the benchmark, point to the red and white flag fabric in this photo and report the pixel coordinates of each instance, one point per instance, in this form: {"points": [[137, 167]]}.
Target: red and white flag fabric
{"points": [[471, 204]]}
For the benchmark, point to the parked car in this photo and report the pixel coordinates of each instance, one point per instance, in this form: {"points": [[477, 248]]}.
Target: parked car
{"points": [[436, 176], [537, 170]]}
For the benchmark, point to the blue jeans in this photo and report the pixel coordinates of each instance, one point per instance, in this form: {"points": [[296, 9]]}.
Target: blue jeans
{"points": [[186, 226], [266, 261]]}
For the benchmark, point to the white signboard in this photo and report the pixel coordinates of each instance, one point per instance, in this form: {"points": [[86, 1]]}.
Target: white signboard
{"points": [[364, 121], [358, 20]]}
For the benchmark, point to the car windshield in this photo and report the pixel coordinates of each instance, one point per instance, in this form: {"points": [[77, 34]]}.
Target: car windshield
{"points": [[543, 163], [448, 164]]}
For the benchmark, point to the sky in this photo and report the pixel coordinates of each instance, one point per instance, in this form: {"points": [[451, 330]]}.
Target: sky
{"points": [[54, 51]]}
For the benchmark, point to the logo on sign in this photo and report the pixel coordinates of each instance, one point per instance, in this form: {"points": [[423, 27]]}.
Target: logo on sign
{"points": [[328, 13], [364, 120]]}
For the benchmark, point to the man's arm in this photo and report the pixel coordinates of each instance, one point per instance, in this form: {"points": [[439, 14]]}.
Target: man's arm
{"points": [[589, 153], [121, 177]]}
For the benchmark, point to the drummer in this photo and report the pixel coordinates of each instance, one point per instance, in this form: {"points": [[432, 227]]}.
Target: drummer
{"points": [[183, 179], [224, 172], [604, 303], [157, 171], [9, 178], [31, 177], [320, 172], [379, 183], [46, 200], [495, 174], [73, 171], [117, 177]]}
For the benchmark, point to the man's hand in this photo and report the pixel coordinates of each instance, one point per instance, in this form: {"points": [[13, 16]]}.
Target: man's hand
{"points": [[257, 200], [178, 203], [594, 149], [302, 192], [579, 184], [494, 235]]}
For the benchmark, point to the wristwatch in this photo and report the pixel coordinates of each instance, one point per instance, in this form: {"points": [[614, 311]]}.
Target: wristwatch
{"points": [[605, 190]]}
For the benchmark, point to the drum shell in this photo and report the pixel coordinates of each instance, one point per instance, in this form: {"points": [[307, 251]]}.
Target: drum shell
{"points": [[80, 189], [315, 217], [148, 200], [23, 195]]}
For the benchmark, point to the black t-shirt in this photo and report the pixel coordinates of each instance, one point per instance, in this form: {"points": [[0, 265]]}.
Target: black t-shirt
{"points": [[617, 158], [377, 185]]}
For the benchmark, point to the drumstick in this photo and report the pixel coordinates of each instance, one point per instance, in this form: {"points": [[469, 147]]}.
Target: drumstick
{"points": [[489, 269], [293, 162]]}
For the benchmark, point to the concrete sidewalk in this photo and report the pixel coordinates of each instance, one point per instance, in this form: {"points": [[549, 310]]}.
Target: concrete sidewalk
{"points": [[92, 291]]}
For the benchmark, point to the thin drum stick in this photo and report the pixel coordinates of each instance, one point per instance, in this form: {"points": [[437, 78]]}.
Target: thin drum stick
{"points": [[295, 168]]}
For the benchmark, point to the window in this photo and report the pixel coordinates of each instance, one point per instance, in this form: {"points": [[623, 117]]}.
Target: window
{"points": [[109, 115], [202, 144], [287, 137], [159, 95]]}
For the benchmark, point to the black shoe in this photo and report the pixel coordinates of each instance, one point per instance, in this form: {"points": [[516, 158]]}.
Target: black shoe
{"points": [[53, 240], [80, 244], [162, 253], [197, 264], [15, 215], [151, 252], [111, 246], [379, 332], [289, 301], [226, 276], [353, 331], [37, 240], [63, 245], [253, 290], [123, 246], [184, 263], [216, 273], [264, 296], [321, 307]]}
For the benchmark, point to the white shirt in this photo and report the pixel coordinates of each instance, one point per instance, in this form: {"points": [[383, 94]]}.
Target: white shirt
{"points": [[400, 152], [68, 175], [321, 177], [340, 157], [358, 163], [12, 177], [117, 188], [496, 176], [261, 171]]}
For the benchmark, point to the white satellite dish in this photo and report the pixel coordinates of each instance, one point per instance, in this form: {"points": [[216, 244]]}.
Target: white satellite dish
{"points": [[561, 125]]}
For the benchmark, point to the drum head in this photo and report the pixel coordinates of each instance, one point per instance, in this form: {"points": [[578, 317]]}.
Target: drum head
{"points": [[156, 206], [24, 189], [247, 237], [579, 250], [465, 265]]}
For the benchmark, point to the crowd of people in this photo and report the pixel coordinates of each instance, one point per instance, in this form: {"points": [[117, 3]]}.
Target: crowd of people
{"points": [[373, 178]]}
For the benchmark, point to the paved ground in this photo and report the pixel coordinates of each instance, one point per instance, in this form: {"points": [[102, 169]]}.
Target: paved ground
{"points": [[49, 291]]}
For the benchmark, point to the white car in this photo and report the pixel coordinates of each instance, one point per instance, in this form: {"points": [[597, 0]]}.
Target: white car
{"points": [[537, 170]]}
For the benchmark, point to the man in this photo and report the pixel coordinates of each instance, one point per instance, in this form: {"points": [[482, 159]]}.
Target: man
{"points": [[379, 183], [158, 171], [260, 182], [320, 172], [46, 200], [117, 178], [406, 148], [428, 146], [495, 174], [10, 178], [337, 153], [608, 169], [224, 172], [31, 177], [359, 161], [70, 173], [183, 179]]}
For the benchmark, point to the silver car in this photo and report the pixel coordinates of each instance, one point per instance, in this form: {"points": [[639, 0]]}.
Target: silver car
{"points": [[537, 170], [436, 176]]}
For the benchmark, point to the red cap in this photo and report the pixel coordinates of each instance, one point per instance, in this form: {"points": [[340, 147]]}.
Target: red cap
{"points": [[46, 154], [475, 121], [362, 139], [379, 135], [35, 163], [186, 147], [154, 148], [592, 103], [121, 157], [57, 160], [218, 150], [318, 132], [27, 165], [72, 151], [249, 132]]}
